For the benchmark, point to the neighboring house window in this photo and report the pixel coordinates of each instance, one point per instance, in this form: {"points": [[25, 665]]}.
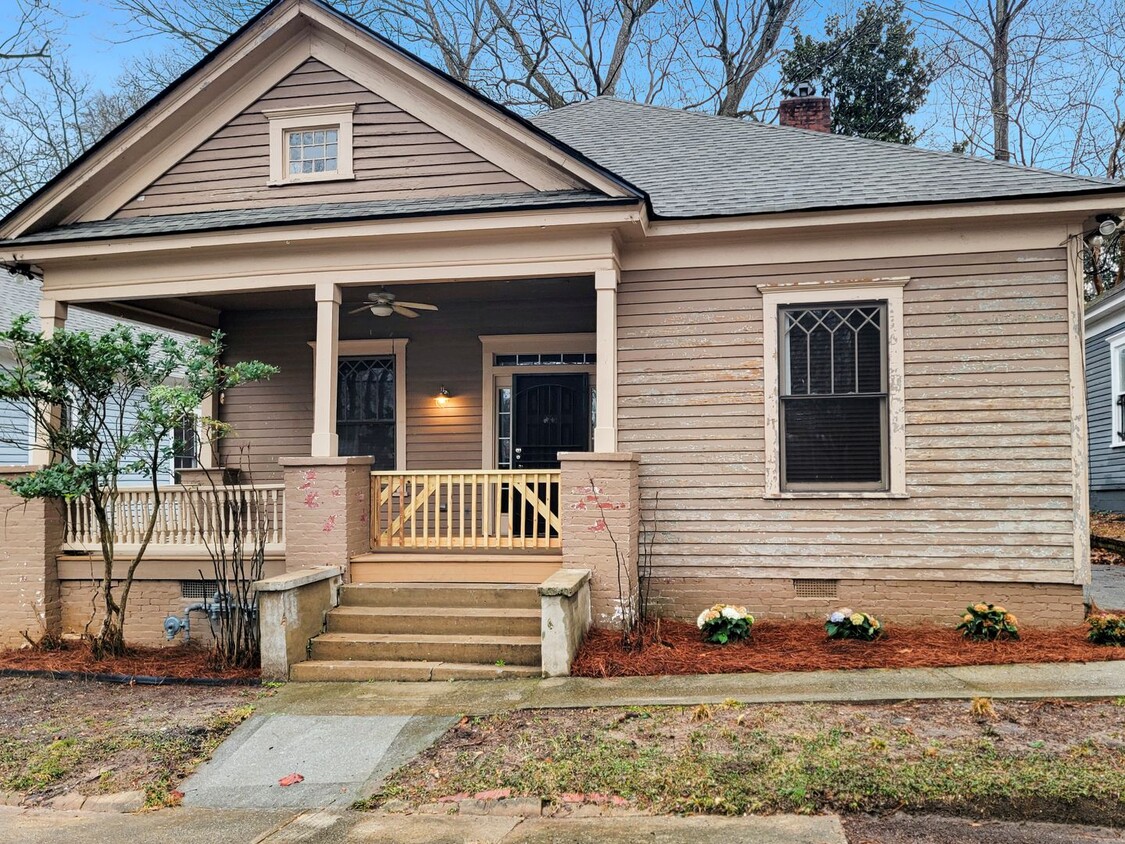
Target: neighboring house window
{"points": [[1117, 389], [310, 144], [185, 443], [833, 397], [833, 377]]}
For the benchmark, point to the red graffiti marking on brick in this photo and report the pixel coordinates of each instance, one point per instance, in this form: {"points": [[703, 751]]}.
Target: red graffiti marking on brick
{"points": [[312, 499], [329, 524]]}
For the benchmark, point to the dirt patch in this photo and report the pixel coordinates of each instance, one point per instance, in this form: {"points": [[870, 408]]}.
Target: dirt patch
{"points": [[675, 647], [180, 662], [1056, 760], [98, 738]]}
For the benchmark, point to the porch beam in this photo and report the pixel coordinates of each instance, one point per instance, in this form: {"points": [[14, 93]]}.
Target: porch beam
{"points": [[605, 432], [52, 318], [325, 442]]}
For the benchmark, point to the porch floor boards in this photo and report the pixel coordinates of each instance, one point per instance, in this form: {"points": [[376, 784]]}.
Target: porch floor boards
{"points": [[452, 568]]}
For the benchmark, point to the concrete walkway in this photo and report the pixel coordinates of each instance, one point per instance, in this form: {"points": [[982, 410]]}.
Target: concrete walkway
{"points": [[1108, 587], [29, 826], [1054, 680]]}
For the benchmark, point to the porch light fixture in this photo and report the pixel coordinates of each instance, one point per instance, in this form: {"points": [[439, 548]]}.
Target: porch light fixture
{"points": [[442, 398], [1105, 225]]}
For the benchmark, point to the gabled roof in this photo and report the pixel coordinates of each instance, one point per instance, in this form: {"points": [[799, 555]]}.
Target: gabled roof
{"points": [[150, 132], [698, 165]]}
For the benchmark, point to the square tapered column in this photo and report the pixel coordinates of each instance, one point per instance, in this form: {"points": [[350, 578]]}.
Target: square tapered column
{"points": [[52, 318], [605, 431], [325, 442]]}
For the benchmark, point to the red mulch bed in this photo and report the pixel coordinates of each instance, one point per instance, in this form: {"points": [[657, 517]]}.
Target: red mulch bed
{"points": [[181, 663], [675, 647]]}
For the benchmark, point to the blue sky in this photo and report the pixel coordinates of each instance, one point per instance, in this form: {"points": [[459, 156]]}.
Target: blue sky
{"points": [[96, 39]]}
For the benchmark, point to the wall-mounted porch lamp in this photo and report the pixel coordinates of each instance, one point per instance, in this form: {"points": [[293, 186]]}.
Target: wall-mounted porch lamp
{"points": [[442, 398], [1105, 225]]}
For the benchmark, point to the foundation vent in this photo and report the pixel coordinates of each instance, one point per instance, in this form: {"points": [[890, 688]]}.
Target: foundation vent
{"points": [[815, 588], [198, 590]]}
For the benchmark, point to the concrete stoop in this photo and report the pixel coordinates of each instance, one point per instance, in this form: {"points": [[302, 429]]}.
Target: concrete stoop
{"points": [[427, 631]]}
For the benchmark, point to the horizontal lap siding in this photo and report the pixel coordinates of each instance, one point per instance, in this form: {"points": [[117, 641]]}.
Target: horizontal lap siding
{"points": [[988, 442], [274, 418], [396, 156], [1107, 464]]}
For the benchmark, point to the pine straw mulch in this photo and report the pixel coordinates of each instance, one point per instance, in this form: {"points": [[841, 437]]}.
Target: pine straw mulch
{"points": [[1111, 525], [177, 663], [675, 647]]}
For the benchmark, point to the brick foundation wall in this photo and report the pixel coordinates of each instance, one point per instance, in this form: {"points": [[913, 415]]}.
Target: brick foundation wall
{"points": [[1042, 604], [327, 511], [31, 533], [599, 506], [150, 602]]}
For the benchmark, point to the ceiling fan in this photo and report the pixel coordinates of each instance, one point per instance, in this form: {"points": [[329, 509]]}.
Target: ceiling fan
{"points": [[383, 304]]}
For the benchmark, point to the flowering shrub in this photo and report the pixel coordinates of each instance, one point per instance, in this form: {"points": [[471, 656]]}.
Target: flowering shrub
{"points": [[845, 624], [724, 623], [1107, 629], [988, 622]]}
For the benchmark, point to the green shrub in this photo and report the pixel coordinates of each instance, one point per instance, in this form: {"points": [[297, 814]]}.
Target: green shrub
{"points": [[845, 624], [724, 623], [988, 622], [1107, 629]]}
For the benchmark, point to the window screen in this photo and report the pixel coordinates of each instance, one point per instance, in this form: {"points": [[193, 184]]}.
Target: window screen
{"points": [[833, 396]]}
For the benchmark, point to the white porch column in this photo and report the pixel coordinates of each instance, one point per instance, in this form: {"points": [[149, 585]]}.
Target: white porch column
{"points": [[605, 433], [325, 442], [52, 317]]}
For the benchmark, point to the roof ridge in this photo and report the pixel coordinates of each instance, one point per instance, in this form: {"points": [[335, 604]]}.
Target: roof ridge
{"points": [[832, 137]]}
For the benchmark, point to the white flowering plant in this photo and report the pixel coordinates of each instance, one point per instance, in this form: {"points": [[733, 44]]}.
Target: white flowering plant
{"points": [[724, 623], [845, 624]]}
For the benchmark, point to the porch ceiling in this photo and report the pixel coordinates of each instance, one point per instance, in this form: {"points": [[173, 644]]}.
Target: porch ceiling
{"points": [[202, 313]]}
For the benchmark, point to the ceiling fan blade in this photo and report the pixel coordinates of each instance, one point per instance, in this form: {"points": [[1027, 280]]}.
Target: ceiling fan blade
{"points": [[360, 309], [419, 305], [406, 312]]}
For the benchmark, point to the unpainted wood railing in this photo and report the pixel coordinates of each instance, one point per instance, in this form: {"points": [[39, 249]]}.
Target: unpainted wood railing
{"points": [[189, 516], [469, 510]]}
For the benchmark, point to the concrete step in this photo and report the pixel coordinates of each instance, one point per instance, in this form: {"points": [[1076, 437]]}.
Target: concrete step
{"points": [[481, 650], [361, 670], [430, 595], [468, 621]]}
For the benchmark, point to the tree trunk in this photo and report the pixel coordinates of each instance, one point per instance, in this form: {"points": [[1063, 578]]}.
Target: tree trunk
{"points": [[1001, 35]]}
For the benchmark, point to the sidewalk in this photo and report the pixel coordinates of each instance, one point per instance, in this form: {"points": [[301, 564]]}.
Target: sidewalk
{"points": [[1049, 680], [265, 827]]}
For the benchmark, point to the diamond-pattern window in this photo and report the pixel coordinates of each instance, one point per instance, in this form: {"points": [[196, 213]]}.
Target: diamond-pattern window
{"points": [[834, 396], [365, 409]]}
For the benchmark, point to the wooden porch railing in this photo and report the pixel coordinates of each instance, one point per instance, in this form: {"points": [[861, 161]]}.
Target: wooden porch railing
{"points": [[188, 516], [465, 510]]}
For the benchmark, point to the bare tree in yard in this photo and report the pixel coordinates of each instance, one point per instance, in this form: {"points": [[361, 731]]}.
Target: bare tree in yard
{"points": [[25, 32], [1006, 67], [102, 408]]}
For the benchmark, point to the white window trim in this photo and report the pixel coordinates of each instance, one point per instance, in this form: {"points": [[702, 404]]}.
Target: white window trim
{"points": [[514, 344], [282, 120], [778, 295], [1116, 344], [381, 348]]}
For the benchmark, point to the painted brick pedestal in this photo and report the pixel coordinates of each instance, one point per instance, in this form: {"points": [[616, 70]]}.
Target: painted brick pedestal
{"points": [[601, 519], [327, 511], [31, 535]]}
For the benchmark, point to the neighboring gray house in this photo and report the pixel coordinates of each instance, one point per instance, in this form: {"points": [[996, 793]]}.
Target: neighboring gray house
{"points": [[18, 296], [1105, 399]]}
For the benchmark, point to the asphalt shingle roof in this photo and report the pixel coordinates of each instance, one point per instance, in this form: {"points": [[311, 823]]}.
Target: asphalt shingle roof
{"points": [[326, 212], [694, 165]]}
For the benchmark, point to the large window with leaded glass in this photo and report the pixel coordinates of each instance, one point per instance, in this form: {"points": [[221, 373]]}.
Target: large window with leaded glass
{"points": [[365, 409], [833, 398]]}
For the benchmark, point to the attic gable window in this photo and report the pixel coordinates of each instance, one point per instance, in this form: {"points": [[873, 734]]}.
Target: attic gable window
{"points": [[310, 143]]}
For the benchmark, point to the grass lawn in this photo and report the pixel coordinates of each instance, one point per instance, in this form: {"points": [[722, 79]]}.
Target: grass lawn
{"points": [[94, 738], [1055, 760]]}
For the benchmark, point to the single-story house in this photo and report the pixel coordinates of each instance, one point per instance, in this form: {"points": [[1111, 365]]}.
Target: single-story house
{"points": [[727, 361], [1105, 399]]}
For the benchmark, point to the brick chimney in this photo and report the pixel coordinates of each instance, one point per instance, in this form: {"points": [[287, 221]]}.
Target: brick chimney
{"points": [[804, 110]]}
